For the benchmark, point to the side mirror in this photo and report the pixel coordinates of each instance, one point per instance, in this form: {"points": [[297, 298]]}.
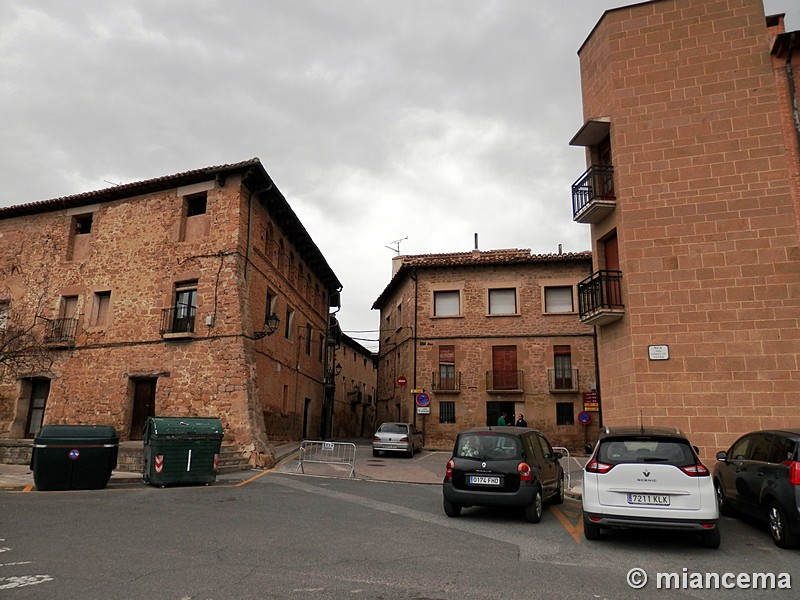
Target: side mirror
{"points": [[588, 448], [558, 455], [722, 456]]}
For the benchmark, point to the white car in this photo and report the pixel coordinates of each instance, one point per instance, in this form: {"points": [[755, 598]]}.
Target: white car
{"points": [[396, 437], [649, 478]]}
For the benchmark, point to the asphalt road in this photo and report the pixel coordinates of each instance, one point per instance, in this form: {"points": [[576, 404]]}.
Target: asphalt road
{"points": [[296, 536]]}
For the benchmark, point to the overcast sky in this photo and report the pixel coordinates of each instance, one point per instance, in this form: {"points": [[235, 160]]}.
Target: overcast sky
{"points": [[379, 120]]}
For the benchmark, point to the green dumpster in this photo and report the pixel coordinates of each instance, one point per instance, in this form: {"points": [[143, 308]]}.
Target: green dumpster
{"points": [[74, 457], [181, 450]]}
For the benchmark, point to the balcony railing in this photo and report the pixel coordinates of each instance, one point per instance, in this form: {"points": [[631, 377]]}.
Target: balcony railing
{"points": [[562, 380], [600, 298], [504, 381], [446, 384], [593, 195], [178, 320], [61, 332]]}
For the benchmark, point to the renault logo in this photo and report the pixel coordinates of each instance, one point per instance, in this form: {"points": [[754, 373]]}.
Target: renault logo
{"points": [[646, 473], [483, 464]]}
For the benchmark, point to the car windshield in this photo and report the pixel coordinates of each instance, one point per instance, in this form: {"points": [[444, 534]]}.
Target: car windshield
{"points": [[393, 428], [487, 446], [645, 450]]}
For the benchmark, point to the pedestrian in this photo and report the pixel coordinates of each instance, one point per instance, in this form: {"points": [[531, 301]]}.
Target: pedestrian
{"points": [[501, 421], [521, 422]]}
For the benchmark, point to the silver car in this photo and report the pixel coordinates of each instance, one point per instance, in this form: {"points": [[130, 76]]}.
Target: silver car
{"points": [[396, 437]]}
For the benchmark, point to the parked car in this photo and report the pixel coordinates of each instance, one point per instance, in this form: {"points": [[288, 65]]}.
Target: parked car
{"points": [[503, 466], [760, 476], [396, 437], [648, 477]]}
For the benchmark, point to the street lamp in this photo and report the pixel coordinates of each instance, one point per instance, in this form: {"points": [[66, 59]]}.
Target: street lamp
{"points": [[271, 324]]}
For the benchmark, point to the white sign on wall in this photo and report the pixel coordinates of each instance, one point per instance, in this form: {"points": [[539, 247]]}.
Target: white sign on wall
{"points": [[658, 352]]}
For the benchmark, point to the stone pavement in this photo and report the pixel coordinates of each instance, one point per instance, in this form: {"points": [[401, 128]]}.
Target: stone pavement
{"points": [[426, 467]]}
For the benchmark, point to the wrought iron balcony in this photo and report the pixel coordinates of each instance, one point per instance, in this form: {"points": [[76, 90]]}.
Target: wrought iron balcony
{"points": [[593, 195], [445, 384], [600, 298], [60, 332], [507, 382], [178, 321], [562, 380]]}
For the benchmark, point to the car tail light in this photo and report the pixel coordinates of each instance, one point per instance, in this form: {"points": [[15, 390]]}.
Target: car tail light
{"points": [[448, 474], [375, 438], [594, 466], [696, 470], [794, 471], [404, 438], [524, 470]]}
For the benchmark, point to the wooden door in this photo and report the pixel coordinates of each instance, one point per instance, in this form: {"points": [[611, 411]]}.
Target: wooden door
{"points": [[144, 405], [504, 368]]}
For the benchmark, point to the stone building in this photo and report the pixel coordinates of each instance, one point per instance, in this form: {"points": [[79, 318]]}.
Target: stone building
{"points": [[692, 193], [481, 333], [356, 376], [195, 294]]}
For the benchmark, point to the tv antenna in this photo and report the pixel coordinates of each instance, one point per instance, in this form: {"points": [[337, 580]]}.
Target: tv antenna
{"points": [[395, 245]]}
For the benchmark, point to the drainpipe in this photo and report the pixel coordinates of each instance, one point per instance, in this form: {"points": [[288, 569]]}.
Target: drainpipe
{"points": [[413, 276], [793, 88]]}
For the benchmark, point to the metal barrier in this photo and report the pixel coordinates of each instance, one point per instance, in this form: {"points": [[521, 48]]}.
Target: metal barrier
{"points": [[567, 471], [327, 453]]}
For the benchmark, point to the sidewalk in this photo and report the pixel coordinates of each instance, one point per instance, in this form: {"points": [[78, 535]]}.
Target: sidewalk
{"points": [[427, 467]]}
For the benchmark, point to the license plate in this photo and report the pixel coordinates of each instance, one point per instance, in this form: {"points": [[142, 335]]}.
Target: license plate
{"points": [[483, 480], [650, 499]]}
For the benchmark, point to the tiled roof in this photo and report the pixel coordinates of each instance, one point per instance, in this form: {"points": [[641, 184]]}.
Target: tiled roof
{"points": [[473, 258]]}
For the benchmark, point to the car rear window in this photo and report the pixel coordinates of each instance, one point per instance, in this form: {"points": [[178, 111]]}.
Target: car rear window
{"points": [[614, 451], [488, 446], [393, 428]]}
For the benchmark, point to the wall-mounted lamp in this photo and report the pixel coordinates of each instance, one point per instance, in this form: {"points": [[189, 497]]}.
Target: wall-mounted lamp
{"points": [[272, 326], [337, 369]]}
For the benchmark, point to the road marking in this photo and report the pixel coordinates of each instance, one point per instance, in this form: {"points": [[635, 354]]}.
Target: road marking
{"points": [[576, 529], [7, 583]]}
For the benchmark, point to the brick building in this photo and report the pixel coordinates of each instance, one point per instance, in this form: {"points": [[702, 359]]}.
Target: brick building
{"points": [[356, 376], [195, 294], [483, 333], [692, 194]]}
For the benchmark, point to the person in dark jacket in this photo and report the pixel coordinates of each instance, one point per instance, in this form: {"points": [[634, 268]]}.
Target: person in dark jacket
{"points": [[521, 422]]}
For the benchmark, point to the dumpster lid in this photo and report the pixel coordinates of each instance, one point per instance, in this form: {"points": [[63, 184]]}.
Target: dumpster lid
{"points": [[184, 426], [77, 432]]}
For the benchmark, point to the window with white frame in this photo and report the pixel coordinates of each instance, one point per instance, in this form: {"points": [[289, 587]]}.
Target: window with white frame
{"points": [[503, 301], [446, 303], [558, 299]]}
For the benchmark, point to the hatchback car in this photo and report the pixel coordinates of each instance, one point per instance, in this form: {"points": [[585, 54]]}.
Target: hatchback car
{"points": [[396, 437], [648, 478], [760, 476], [503, 466]]}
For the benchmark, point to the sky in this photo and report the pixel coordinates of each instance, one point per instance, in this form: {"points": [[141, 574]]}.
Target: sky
{"points": [[386, 124]]}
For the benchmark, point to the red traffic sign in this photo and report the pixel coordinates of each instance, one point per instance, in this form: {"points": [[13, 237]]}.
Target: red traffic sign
{"points": [[423, 400], [584, 417], [401, 381]]}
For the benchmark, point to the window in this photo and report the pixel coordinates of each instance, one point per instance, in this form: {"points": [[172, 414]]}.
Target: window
{"points": [[565, 413], [285, 400], [271, 305], [100, 307], [447, 412], [309, 333], [5, 308], [562, 368], [185, 307], [287, 332], [503, 302], [196, 204], [558, 299], [446, 304], [504, 369], [447, 368], [321, 339], [40, 389], [83, 224]]}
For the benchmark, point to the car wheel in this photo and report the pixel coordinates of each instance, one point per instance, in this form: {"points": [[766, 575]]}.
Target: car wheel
{"points": [[451, 509], [725, 507], [779, 528], [558, 497], [410, 453], [376, 452], [533, 512], [591, 531], [711, 539]]}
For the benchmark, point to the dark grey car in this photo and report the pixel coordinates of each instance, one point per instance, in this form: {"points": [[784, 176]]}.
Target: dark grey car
{"points": [[760, 476], [503, 466]]}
